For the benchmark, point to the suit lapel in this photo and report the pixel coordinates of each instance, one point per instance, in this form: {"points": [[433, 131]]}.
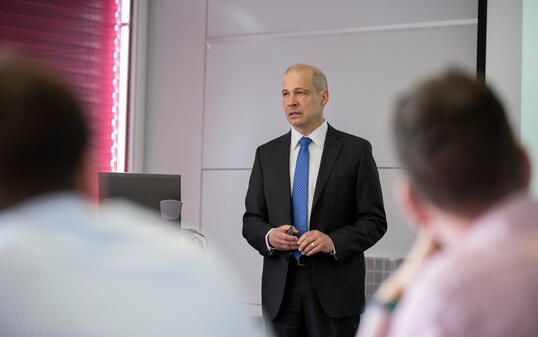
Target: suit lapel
{"points": [[331, 150]]}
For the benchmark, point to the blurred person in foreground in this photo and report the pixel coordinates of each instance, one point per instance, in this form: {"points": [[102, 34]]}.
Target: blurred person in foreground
{"points": [[472, 270], [66, 270]]}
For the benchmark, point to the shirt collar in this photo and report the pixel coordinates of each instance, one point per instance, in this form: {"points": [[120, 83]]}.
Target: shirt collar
{"points": [[506, 216], [318, 135]]}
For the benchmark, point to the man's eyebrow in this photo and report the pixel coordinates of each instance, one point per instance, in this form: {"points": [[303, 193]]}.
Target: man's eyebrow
{"points": [[295, 89]]}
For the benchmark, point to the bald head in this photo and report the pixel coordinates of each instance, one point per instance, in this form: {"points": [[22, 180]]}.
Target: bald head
{"points": [[319, 81]]}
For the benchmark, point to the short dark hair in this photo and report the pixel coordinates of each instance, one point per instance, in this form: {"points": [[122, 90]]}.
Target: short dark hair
{"points": [[453, 138], [43, 131]]}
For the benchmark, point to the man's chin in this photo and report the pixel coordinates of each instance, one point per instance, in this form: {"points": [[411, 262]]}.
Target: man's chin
{"points": [[295, 123]]}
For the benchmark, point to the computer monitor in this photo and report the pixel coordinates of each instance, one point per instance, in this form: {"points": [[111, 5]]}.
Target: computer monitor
{"points": [[142, 188]]}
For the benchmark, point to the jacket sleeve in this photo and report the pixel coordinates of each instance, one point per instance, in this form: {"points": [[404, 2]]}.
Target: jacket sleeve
{"points": [[370, 224]]}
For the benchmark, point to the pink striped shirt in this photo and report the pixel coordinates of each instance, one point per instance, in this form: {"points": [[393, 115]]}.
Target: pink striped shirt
{"points": [[486, 286]]}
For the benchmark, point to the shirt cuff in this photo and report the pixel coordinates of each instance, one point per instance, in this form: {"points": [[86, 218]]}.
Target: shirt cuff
{"points": [[388, 306], [269, 248], [333, 253]]}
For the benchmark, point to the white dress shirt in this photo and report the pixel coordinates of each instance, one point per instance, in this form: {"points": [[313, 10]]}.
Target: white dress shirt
{"points": [[315, 149]]}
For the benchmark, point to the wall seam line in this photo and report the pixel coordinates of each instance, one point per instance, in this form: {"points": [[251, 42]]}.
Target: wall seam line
{"points": [[340, 31]]}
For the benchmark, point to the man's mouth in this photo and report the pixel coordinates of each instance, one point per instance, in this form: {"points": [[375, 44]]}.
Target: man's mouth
{"points": [[294, 113]]}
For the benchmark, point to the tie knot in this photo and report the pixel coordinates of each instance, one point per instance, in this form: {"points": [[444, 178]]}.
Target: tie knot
{"points": [[304, 141]]}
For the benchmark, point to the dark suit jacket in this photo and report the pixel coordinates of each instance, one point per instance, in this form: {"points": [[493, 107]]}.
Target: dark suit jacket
{"points": [[347, 206]]}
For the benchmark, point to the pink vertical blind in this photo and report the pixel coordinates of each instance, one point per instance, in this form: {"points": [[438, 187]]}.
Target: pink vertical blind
{"points": [[76, 39]]}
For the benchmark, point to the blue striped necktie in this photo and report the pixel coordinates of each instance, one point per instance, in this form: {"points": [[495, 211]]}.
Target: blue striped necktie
{"points": [[299, 195]]}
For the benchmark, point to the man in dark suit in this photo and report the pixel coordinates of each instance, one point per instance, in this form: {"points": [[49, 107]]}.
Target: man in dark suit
{"points": [[313, 206]]}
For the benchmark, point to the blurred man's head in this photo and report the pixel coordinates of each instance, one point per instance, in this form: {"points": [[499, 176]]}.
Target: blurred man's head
{"points": [[43, 132], [453, 138]]}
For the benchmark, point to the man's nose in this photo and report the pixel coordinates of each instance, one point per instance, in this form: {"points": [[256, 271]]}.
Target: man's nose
{"points": [[291, 100]]}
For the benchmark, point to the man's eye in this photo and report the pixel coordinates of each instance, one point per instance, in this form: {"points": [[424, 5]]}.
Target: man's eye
{"points": [[300, 92], [284, 94]]}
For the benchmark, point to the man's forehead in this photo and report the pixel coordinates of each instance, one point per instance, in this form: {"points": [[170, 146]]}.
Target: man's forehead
{"points": [[297, 79]]}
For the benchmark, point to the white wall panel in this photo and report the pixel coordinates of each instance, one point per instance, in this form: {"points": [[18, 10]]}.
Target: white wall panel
{"points": [[503, 55], [222, 211], [241, 83], [223, 205], [173, 130], [365, 72], [400, 232], [232, 17]]}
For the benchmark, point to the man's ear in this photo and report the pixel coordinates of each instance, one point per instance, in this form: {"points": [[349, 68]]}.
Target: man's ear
{"points": [[415, 208], [86, 176], [324, 94]]}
